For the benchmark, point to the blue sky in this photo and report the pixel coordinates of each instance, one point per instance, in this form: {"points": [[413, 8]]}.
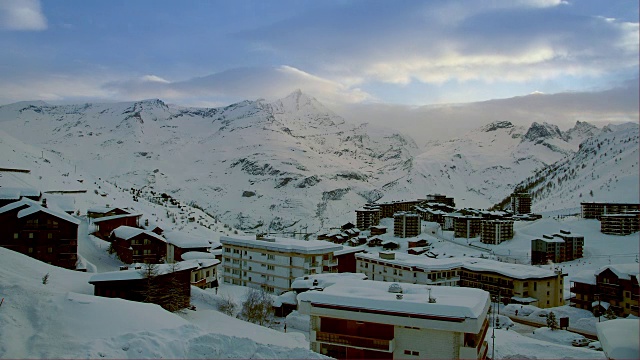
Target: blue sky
{"points": [[209, 53]]}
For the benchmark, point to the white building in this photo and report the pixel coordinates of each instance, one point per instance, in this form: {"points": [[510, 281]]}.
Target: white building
{"points": [[273, 263], [373, 319]]}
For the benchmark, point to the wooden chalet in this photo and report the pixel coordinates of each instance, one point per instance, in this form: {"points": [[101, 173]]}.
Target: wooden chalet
{"points": [[39, 232], [9, 195], [106, 224], [102, 211], [134, 245], [130, 284], [378, 230], [374, 241], [179, 243]]}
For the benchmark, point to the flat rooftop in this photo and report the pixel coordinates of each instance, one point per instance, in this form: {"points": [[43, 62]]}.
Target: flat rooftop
{"points": [[282, 244], [451, 302]]}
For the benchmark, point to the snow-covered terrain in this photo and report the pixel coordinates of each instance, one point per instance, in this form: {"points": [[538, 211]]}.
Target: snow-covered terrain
{"points": [[289, 165]]}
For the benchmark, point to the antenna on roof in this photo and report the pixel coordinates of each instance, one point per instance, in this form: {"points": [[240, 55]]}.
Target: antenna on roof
{"points": [[432, 300]]}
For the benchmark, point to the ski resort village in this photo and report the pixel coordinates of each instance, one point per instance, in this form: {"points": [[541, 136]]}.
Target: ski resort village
{"points": [[115, 250], [336, 179]]}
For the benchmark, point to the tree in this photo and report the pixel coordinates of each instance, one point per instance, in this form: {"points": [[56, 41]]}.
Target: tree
{"points": [[257, 307], [610, 314], [227, 305], [151, 289], [45, 279], [173, 298], [552, 323]]}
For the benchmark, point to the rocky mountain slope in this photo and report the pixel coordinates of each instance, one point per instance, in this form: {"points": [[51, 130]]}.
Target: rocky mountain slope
{"points": [[287, 165]]}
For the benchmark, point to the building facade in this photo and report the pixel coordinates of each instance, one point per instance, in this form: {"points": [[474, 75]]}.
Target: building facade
{"points": [[620, 224], [514, 283], [367, 217], [593, 210], [273, 263], [467, 226], [406, 224], [440, 199], [496, 231], [614, 286], [521, 203], [388, 209], [556, 248], [363, 319], [135, 245], [49, 236]]}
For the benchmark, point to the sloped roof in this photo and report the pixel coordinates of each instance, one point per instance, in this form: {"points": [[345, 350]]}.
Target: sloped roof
{"points": [[127, 232], [37, 208], [622, 271], [184, 240], [136, 274], [17, 204], [113, 217]]}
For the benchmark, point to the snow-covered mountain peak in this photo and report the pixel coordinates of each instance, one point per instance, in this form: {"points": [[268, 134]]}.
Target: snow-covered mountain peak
{"points": [[496, 125], [542, 131]]}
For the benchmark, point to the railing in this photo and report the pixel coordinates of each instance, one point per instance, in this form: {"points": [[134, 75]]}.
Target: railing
{"points": [[312, 265], [200, 283], [333, 262], [354, 341]]}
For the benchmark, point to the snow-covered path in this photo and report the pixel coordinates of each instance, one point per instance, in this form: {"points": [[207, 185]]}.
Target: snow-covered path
{"points": [[94, 251]]}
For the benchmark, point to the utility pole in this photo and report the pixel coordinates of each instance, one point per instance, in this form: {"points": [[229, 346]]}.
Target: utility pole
{"points": [[493, 334]]}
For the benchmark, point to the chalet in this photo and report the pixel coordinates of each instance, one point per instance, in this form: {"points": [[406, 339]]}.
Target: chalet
{"points": [[285, 304], [130, 284], [134, 245], [390, 245], [376, 320], [204, 272], [102, 211], [374, 241], [151, 226], [179, 243], [105, 225], [417, 243], [378, 230], [347, 226], [39, 232], [64, 203], [614, 286]]}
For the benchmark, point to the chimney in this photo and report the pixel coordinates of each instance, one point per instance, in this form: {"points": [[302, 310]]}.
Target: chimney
{"points": [[399, 296], [44, 202]]}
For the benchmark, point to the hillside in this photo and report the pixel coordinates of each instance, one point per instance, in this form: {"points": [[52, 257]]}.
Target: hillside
{"points": [[289, 165]]}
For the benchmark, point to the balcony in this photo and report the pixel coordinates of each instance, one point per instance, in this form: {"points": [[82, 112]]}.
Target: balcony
{"points": [[309, 266], [333, 262], [353, 341]]}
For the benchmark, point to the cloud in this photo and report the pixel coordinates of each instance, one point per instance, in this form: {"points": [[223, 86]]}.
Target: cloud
{"points": [[22, 15], [238, 84], [435, 42]]}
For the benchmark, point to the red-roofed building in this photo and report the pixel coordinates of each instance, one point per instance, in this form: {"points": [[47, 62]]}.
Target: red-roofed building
{"points": [[135, 245]]}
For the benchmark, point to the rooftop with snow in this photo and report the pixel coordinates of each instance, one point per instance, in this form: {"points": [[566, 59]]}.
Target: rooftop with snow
{"points": [[451, 302], [282, 244]]}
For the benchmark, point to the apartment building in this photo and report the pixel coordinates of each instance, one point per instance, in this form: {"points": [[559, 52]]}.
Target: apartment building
{"points": [[363, 319], [515, 283], [467, 226], [496, 231], [440, 199], [614, 286], [521, 203], [556, 248], [620, 224], [272, 263], [388, 209], [593, 210], [406, 224], [367, 217]]}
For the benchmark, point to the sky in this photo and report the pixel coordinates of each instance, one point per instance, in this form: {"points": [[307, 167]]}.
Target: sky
{"points": [[344, 53]]}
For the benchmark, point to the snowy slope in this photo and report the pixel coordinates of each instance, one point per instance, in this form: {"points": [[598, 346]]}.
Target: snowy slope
{"points": [[62, 319], [605, 168], [255, 164], [484, 165], [289, 165]]}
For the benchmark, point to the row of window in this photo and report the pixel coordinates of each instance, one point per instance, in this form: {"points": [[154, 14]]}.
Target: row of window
{"points": [[31, 235]]}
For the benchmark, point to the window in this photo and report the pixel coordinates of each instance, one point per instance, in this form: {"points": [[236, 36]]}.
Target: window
{"points": [[548, 283], [49, 236], [16, 235], [50, 250], [207, 273], [136, 252], [236, 251], [535, 286], [147, 241], [227, 249], [30, 250], [271, 267], [271, 257], [147, 252], [525, 284], [547, 293], [30, 235], [135, 242]]}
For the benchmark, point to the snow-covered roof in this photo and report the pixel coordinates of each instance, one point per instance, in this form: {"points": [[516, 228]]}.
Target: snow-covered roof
{"points": [[198, 263], [17, 204], [324, 280], [585, 277], [288, 297], [113, 217], [64, 203], [103, 209], [516, 271], [454, 302], [552, 240], [622, 271], [10, 193], [192, 255], [283, 244], [619, 338], [135, 274], [127, 232], [347, 250], [185, 241], [37, 208], [605, 305]]}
